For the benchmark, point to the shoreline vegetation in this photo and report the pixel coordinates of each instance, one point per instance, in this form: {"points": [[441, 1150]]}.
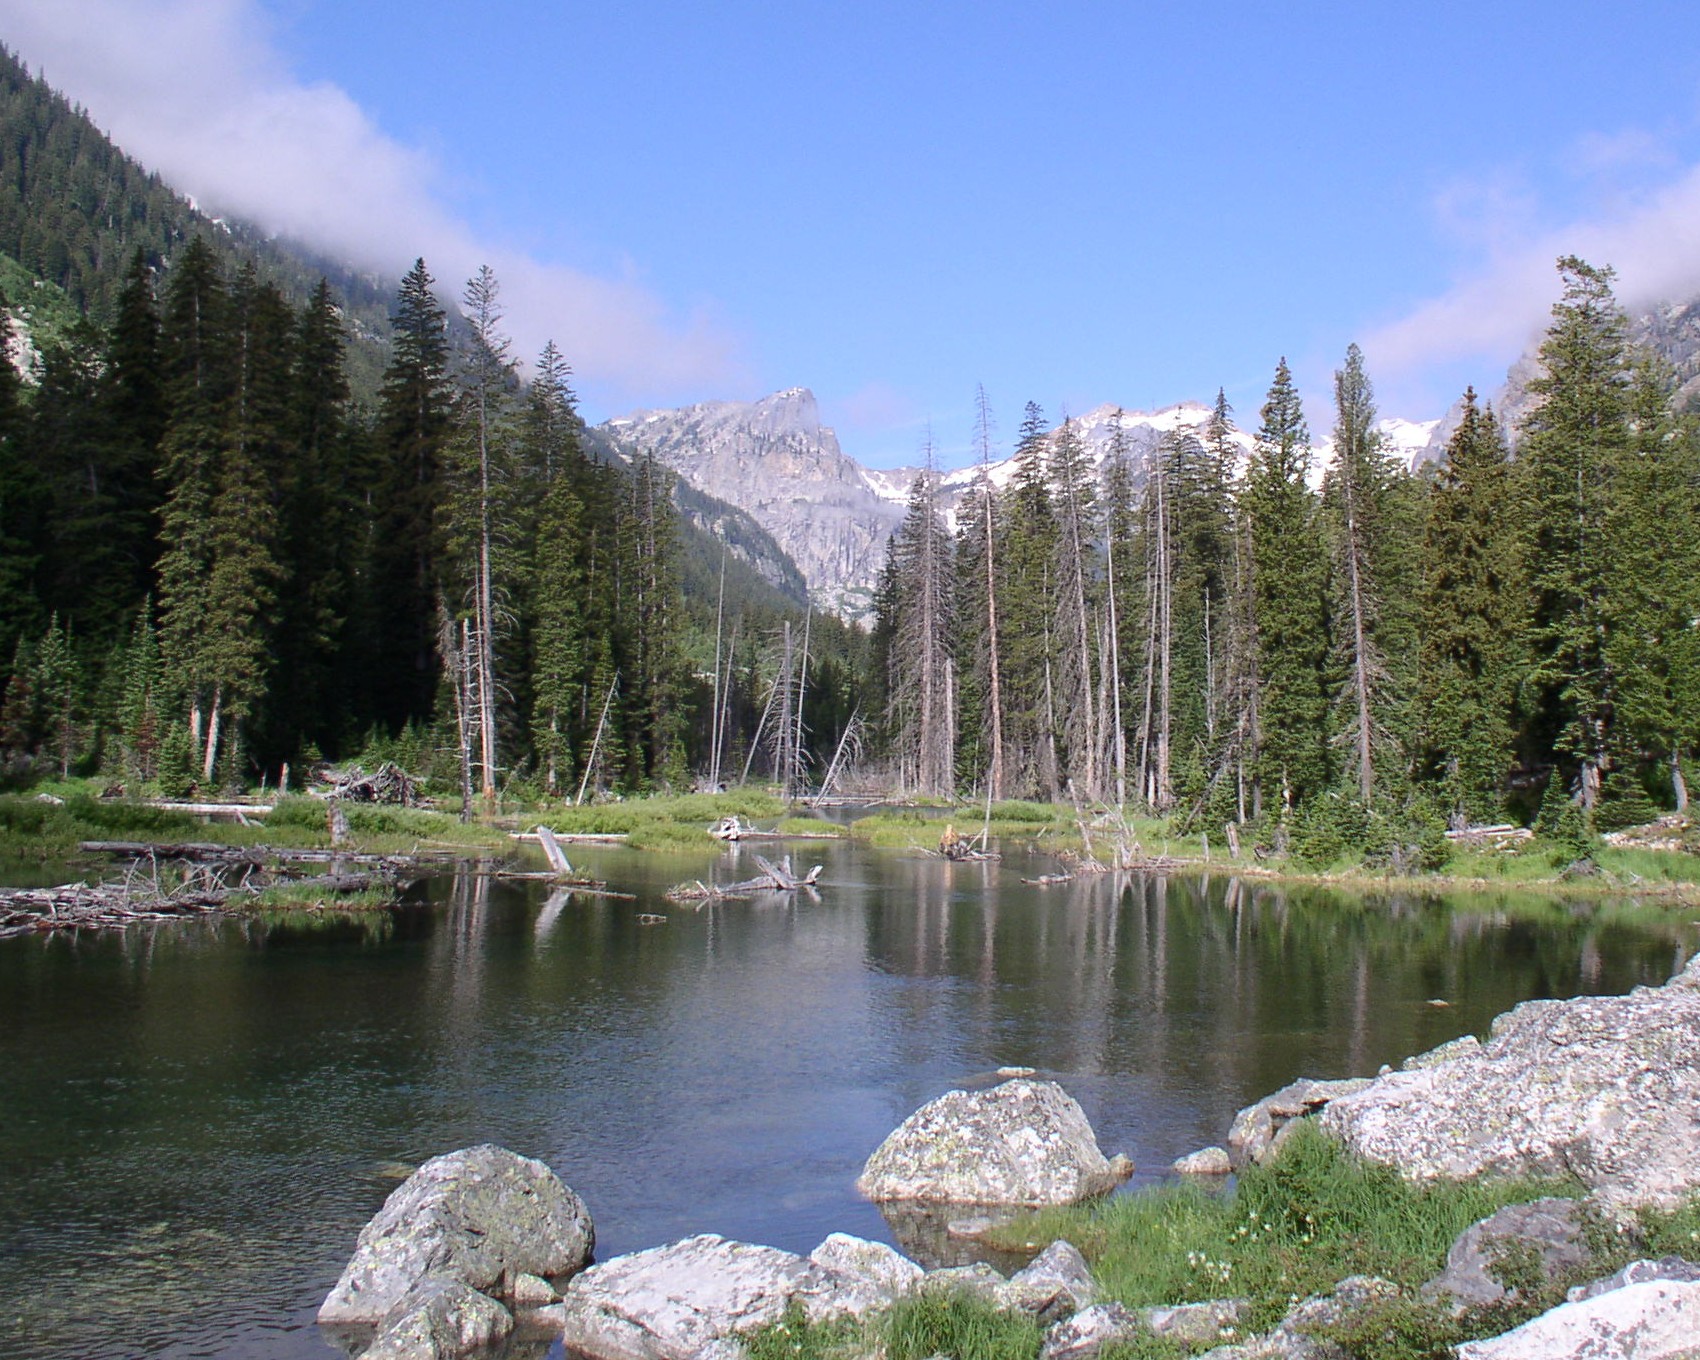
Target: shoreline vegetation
{"points": [[57, 820]]}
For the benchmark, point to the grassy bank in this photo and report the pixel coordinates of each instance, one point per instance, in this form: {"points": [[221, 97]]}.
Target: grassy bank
{"points": [[1285, 1231]]}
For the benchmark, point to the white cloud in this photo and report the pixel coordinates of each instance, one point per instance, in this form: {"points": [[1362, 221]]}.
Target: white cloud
{"points": [[196, 90], [1653, 242]]}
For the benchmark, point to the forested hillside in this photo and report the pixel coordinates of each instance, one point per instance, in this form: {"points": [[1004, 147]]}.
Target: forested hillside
{"points": [[247, 517], [1512, 632]]}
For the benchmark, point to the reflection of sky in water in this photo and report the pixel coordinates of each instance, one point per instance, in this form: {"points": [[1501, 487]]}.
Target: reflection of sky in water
{"points": [[195, 1122]]}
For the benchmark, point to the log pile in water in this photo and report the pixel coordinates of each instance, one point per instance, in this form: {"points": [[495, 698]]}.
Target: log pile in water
{"points": [[773, 878]]}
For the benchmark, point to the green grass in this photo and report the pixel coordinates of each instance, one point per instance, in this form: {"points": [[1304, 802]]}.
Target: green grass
{"points": [[953, 1324], [302, 898], [677, 823], [1286, 1231], [1296, 1227]]}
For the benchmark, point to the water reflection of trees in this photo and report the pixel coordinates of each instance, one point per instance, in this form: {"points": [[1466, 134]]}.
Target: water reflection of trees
{"points": [[1227, 981]]}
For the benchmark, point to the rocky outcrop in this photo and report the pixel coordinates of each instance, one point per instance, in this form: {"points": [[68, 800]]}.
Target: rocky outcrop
{"points": [[1544, 1235], [480, 1217], [1259, 1130], [438, 1319], [1657, 1320], [1020, 1143], [1603, 1088], [670, 1302]]}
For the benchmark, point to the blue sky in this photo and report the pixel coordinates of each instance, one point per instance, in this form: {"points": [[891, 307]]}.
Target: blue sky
{"points": [[1072, 204]]}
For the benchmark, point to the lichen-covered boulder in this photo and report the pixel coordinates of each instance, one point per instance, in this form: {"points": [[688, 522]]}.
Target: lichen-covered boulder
{"points": [[1092, 1331], [1259, 1130], [1055, 1284], [482, 1216], [1548, 1232], [438, 1319], [1020, 1143], [875, 1264], [1656, 1320], [1603, 1088], [669, 1302]]}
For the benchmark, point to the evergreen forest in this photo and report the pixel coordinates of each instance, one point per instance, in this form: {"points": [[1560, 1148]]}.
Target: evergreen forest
{"points": [[1350, 656], [257, 513]]}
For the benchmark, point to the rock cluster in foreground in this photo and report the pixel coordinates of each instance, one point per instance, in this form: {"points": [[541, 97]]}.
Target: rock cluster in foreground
{"points": [[1605, 1088]]}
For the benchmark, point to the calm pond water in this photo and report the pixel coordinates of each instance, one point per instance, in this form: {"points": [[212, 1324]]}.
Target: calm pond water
{"points": [[195, 1120]]}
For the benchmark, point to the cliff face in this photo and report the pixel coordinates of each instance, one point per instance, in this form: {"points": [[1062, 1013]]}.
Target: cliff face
{"points": [[774, 459]]}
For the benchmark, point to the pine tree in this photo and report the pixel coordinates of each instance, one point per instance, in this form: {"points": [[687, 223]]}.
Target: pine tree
{"points": [[1473, 619], [1574, 446], [1027, 598], [198, 369], [1073, 569], [1370, 518], [1289, 594], [921, 682], [405, 489]]}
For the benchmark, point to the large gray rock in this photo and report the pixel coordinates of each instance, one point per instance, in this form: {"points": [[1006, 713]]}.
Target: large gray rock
{"points": [[1055, 1284], [1603, 1088], [875, 1264], [1548, 1231], [438, 1319], [669, 1302], [1658, 1320], [481, 1216], [1022, 1142], [1092, 1331], [1259, 1130]]}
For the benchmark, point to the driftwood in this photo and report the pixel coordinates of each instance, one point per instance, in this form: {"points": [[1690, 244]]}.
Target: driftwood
{"points": [[552, 852], [210, 852], [1046, 880], [575, 837], [389, 783], [205, 890], [773, 878]]}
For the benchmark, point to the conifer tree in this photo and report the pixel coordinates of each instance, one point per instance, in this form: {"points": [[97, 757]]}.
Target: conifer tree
{"points": [[1073, 570], [1473, 613], [1574, 446], [1027, 596], [198, 368], [921, 685], [1289, 593], [1370, 519], [405, 490]]}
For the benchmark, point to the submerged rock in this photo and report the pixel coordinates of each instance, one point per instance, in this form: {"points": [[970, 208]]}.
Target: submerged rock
{"points": [[437, 1319], [1546, 1233], [481, 1216], [1210, 1161], [1656, 1320], [669, 1302], [1019, 1143], [1603, 1088]]}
